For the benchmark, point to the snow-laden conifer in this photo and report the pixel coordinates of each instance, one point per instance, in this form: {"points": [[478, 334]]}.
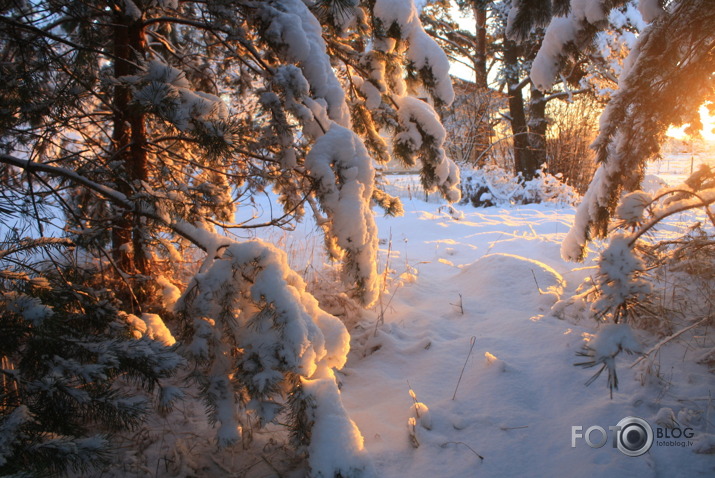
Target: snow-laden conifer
{"points": [[140, 129], [72, 371], [663, 82], [266, 350]]}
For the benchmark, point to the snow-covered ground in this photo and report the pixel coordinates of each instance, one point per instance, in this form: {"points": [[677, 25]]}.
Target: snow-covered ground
{"points": [[490, 279], [461, 371], [467, 334]]}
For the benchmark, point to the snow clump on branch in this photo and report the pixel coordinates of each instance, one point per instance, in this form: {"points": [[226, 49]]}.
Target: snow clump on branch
{"points": [[261, 337], [347, 203], [422, 51]]}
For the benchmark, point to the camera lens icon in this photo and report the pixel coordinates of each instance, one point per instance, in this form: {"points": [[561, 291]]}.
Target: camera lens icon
{"points": [[634, 436]]}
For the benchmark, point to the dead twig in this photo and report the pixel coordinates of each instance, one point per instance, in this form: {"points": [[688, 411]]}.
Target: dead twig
{"points": [[472, 341]]}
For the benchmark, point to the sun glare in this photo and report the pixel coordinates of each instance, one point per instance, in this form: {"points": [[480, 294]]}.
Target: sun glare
{"points": [[707, 131]]}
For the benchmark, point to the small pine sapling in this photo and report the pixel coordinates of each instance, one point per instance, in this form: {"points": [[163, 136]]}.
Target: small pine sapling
{"points": [[73, 373]]}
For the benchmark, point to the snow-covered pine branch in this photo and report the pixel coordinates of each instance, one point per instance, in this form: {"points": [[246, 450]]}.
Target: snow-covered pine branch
{"points": [[66, 353], [663, 82], [628, 266], [253, 325], [421, 134], [576, 30], [315, 97], [262, 338], [619, 280], [199, 236], [338, 160], [150, 124], [609, 342], [165, 90], [340, 154], [292, 29], [399, 30], [424, 77]]}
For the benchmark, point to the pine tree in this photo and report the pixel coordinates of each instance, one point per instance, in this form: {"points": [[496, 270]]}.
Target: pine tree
{"points": [[135, 129], [160, 141], [666, 77], [664, 81], [74, 371], [509, 63]]}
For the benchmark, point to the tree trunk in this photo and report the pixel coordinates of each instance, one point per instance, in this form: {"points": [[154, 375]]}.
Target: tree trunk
{"points": [[537, 130], [482, 96], [523, 161], [129, 138], [480, 54]]}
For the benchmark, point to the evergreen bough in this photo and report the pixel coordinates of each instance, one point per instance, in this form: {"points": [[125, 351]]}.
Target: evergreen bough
{"points": [[72, 373]]}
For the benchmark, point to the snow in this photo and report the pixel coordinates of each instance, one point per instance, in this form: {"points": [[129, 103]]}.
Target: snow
{"points": [[169, 292], [341, 153], [650, 9], [373, 96], [167, 89], [418, 118], [496, 272], [611, 339], [336, 445], [296, 29], [152, 326], [30, 308], [461, 369], [422, 50], [631, 16], [589, 10], [250, 297], [666, 417], [157, 330], [633, 205], [560, 32], [9, 428], [618, 279], [546, 64], [417, 112], [519, 395]]}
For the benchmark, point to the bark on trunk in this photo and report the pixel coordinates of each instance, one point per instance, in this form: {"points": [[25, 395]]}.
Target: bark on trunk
{"points": [[537, 131], [480, 56], [129, 137], [517, 113]]}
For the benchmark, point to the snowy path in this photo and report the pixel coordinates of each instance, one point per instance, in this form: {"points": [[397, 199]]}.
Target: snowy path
{"points": [[516, 406]]}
